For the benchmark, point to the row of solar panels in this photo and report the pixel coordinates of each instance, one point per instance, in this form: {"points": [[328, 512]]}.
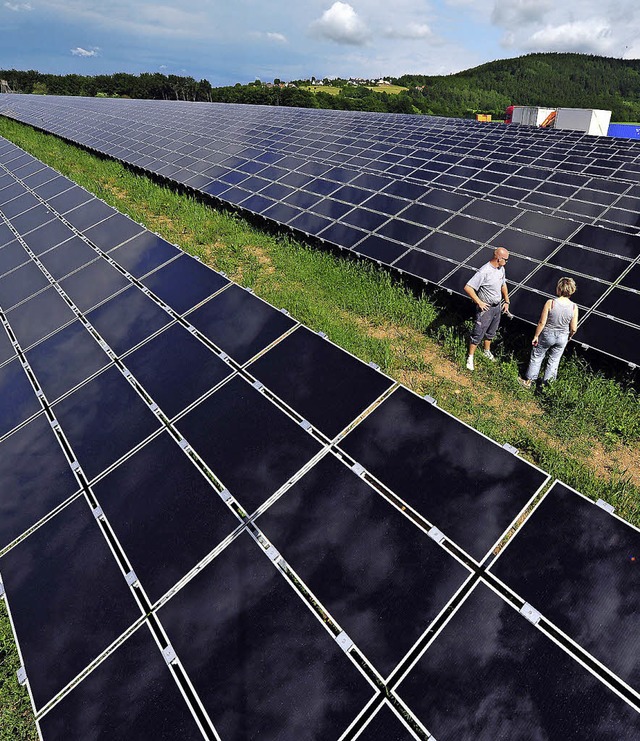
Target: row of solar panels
{"points": [[242, 531], [484, 167], [425, 231]]}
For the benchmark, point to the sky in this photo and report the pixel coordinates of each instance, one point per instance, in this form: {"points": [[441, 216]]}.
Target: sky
{"points": [[229, 41]]}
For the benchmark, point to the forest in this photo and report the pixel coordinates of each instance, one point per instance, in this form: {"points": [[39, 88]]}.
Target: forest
{"points": [[551, 79]]}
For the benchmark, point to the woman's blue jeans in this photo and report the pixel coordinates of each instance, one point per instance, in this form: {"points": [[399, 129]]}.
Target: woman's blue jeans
{"points": [[552, 342]]}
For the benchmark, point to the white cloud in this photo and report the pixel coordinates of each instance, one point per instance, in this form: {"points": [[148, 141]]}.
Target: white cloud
{"points": [[80, 52], [341, 23], [278, 38], [18, 7], [410, 31], [593, 36], [607, 27], [514, 13]]}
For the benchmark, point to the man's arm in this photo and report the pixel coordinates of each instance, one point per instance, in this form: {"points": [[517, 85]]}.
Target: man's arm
{"points": [[470, 291], [505, 296]]}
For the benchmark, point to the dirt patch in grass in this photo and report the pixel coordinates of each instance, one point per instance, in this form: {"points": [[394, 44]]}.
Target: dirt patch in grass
{"points": [[264, 260], [621, 461]]}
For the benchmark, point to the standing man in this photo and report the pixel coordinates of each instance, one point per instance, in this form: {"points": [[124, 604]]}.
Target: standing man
{"points": [[485, 289]]}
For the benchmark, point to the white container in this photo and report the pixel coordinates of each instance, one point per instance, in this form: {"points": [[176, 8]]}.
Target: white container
{"points": [[530, 115], [587, 120]]}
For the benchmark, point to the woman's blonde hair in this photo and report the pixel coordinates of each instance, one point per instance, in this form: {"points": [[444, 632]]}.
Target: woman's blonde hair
{"points": [[566, 287]]}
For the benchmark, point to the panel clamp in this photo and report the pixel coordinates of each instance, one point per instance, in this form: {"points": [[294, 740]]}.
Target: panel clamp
{"points": [[323, 335], [273, 553], [98, 512], [373, 365], [306, 425], [257, 385], [284, 311], [530, 613], [131, 578], [606, 506], [343, 640], [22, 675], [169, 654], [430, 399], [225, 495], [1, 590], [358, 469], [510, 449], [436, 534]]}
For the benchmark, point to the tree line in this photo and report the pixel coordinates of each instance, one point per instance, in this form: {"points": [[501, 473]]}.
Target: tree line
{"points": [[565, 80]]}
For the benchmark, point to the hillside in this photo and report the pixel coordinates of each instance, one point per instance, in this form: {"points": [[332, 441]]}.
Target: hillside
{"points": [[570, 80]]}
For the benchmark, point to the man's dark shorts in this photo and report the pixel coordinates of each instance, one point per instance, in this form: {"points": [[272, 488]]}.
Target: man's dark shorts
{"points": [[486, 325]]}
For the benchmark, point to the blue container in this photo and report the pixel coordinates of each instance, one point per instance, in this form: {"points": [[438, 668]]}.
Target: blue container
{"points": [[626, 131]]}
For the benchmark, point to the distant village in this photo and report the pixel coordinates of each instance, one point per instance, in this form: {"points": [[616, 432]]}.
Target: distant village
{"points": [[327, 81]]}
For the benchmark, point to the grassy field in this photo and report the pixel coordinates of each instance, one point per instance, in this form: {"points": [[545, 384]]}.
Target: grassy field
{"points": [[585, 429], [332, 90]]}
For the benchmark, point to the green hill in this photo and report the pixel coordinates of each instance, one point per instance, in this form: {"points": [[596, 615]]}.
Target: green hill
{"points": [[569, 80]]}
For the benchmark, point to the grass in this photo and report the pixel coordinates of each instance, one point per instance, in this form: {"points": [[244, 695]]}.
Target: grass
{"points": [[16, 716], [332, 90], [585, 429]]}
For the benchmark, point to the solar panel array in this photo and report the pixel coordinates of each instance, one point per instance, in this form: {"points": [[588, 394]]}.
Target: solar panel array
{"points": [[428, 196], [214, 522]]}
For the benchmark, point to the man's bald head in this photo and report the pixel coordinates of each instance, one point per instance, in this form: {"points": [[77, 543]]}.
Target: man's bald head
{"points": [[500, 254]]}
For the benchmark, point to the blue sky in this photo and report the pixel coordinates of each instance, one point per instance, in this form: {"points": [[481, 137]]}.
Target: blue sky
{"points": [[228, 41]]}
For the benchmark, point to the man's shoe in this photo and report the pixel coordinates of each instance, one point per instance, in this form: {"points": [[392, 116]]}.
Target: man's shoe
{"points": [[526, 382], [470, 365], [488, 354]]}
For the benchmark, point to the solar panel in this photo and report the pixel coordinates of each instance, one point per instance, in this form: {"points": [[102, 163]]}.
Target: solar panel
{"points": [[366, 187], [262, 661], [577, 565], [381, 577], [143, 700], [464, 484], [489, 673], [180, 458], [50, 576]]}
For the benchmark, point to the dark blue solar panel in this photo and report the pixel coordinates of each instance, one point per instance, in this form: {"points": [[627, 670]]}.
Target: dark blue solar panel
{"points": [[48, 577], [103, 420], [35, 478], [256, 654], [489, 658], [127, 319], [248, 443], [39, 316], [430, 460], [239, 323], [175, 368], [164, 512], [328, 527], [143, 700]]}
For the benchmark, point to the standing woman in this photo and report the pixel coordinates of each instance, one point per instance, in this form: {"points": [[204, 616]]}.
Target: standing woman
{"points": [[558, 323]]}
